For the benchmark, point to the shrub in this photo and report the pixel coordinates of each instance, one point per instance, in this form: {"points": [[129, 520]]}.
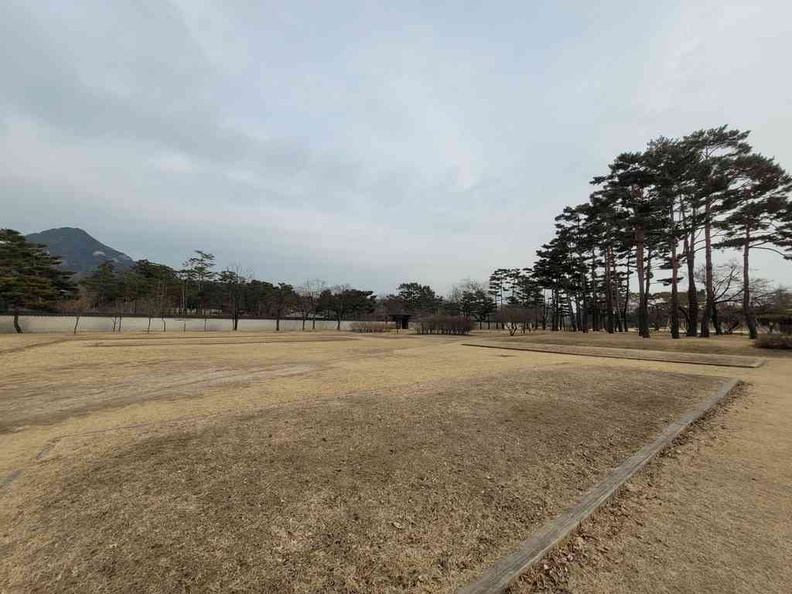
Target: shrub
{"points": [[774, 341], [441, 324], [372, 326], [513, 319]]}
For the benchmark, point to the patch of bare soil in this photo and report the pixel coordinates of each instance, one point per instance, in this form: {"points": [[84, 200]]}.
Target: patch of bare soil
{"points": [[380, 491]]}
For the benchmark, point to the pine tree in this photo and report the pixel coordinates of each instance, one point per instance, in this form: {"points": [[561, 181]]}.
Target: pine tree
{"points": [[761, 208], [29, 276], [714, 173]]}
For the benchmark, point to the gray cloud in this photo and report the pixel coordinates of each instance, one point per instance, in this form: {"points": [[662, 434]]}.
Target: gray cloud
{"points": [[360, 142]]}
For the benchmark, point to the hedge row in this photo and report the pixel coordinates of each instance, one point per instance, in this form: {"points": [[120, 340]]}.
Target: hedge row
{"points": [[372, 326], [444, 325], [774, 341]]}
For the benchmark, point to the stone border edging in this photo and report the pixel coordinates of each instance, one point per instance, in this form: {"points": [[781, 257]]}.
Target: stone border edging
{"points": [[661, 356], [506, 570]]}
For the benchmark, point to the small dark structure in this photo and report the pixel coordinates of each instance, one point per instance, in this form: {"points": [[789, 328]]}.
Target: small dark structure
{"points": [[777, 322], [402, 319]]}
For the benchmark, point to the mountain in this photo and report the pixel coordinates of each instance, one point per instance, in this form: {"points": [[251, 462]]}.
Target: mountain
{"points": [[80, 252]]}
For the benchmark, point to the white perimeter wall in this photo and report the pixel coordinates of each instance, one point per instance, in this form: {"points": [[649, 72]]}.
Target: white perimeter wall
{"points": [[44, 324]]}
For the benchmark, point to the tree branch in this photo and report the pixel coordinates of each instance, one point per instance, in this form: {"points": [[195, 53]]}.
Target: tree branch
{"points": [[782, 254]]}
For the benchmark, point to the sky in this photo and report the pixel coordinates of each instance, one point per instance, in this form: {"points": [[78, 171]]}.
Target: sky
{"points": [[369, 143]]}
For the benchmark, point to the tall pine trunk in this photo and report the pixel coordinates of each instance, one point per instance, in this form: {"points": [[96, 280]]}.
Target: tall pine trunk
{"points": [[709, 304], [750, 320], [626, 301], [572, 322], [692, 293], [647, 292], [595, 321], [583, 315], [620, 327], [674, 277], [674, 292], [621, 321], [643, 321], [609, 291]]}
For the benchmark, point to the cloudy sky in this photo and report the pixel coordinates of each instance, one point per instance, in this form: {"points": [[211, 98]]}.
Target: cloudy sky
{"points": [[362, 142]]}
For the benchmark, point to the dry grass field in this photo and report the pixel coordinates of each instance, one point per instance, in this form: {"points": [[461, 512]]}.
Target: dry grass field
{"points": [[640, 354], [734, 344], [301, 462]]}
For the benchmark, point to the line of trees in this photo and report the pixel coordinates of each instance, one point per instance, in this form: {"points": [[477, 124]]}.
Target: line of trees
{"points": [[651, 220], [32, 279], [198, 290]]}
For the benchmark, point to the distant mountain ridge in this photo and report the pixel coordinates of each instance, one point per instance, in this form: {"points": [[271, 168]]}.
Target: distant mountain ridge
{"points": [[81, 253]]}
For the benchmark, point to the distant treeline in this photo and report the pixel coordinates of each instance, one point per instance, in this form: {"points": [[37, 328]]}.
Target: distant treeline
{"points": [[31, 279]]}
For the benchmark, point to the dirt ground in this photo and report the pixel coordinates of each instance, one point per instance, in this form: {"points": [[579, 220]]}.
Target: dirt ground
{"points": [[305, 463]]}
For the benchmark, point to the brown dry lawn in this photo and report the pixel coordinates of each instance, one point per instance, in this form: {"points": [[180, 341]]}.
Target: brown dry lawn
{"points": [[735, 344], [299, 462], [624, 353], [712, 515]]}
